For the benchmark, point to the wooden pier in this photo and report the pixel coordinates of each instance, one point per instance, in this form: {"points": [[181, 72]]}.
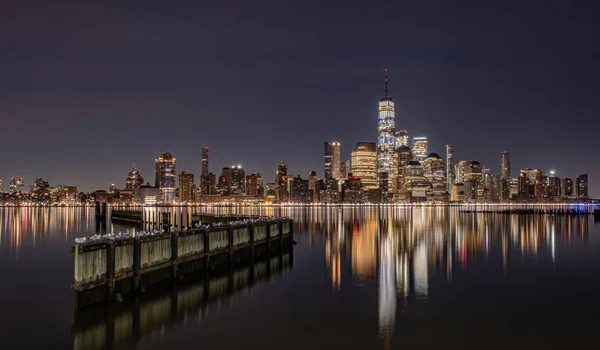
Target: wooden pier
{"points": [[107, 269], [119, 325]]}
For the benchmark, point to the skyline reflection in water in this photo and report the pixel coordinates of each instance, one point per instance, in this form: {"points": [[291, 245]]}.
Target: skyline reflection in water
{"points": [[410, 272]]}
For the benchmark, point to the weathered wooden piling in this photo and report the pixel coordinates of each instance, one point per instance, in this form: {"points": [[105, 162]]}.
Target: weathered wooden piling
{"points": [[106, 267]]}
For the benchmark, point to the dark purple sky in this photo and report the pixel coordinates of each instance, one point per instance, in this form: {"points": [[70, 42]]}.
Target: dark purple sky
{"points": [[87, 89]]}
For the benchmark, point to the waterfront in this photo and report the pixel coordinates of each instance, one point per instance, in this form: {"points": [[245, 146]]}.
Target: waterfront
{"points": [[361, 278]]}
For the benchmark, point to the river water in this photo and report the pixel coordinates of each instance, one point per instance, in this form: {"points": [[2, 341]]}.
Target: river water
{"points": [[358, 278]]}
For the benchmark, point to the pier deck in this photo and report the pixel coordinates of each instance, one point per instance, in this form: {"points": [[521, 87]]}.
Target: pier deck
{"points": [[108, 267]]}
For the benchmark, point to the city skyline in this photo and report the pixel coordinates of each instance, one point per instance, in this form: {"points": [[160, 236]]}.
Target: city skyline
{"points": [[483, 91]]}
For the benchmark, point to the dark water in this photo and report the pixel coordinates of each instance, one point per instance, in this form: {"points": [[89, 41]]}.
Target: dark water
{"points": [[359, 278]]}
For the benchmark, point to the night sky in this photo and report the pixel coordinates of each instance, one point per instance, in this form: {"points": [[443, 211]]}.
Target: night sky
{"points": [[85, 90]]}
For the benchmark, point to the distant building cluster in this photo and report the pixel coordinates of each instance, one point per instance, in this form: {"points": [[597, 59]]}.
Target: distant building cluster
{"points": [[394, 169]]}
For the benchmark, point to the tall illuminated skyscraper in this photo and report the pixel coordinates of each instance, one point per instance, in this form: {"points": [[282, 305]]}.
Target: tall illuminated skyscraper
{"points": [[204, 177], [20, 185], [12, 185], [281, 186], [238, 180], [505, 178], [582, 186], [364, 164], [165, 176], [186, 187], [332, 160], [386, 141], [449, 167], [419, 148], [506, 165]]}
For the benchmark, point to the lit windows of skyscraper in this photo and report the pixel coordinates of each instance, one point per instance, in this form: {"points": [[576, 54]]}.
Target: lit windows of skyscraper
{"points": [[364, 164], [553, 185], [506, 165], [449, 167], [299, 191], [20, 185], [186, 187], [252, 185], [345, 170], [582, 186], [419, 148], [505, 178], [281, 180], [12, 185], [332, 160], [238, 180], [165, 176], [224, 184], [401, 138], [1, 186], [567, 187], [402, 156], [386, 140], [204, 177], [460, 171], [433, 172]]}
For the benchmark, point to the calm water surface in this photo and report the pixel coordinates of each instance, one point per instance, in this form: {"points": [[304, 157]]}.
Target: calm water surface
{"points": [[359, 278]]}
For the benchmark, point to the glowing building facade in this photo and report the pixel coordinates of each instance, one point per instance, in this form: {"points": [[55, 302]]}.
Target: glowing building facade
{"points": [[419, 148], [386, 140], [165, 176], [364, 164], [449, 168]]}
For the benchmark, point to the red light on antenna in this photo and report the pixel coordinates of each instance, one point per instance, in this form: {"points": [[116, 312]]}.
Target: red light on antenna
{"points": [[386, 70]]}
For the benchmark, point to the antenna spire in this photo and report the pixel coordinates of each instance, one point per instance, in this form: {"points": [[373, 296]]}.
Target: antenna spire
{"points": [[386, 83]]}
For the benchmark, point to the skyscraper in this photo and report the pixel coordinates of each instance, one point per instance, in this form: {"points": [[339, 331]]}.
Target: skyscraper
{"points": [[582, 186], [186, 187], [419, 148], [386, 141], [332, 160], [165, 176], [553, 185], [433, 172], [224, 184], [328, 161], [281, 180], [20, 185], [299, 191], [12, 185], [204, 177], [459, 171], [506, 165], [505, 178], [134, 179], [567, 189], [401, 138], [238, 180], [402, 156], [345, 170], [1, 186], [364, 164], [253, 186], [449, 168]]}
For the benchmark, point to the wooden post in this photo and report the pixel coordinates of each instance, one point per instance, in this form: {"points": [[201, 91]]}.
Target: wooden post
{"points": [[206, 234], [110, 270], [137, 251], [230, 241], [174, 255]]}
